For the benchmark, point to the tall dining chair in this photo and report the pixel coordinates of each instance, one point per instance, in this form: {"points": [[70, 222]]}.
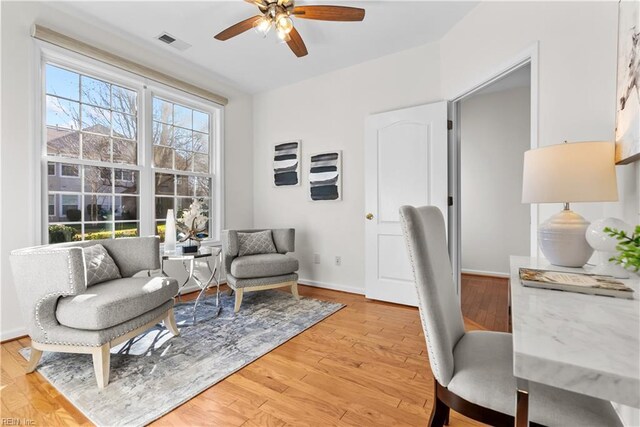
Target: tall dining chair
{"points": [[473, 370]]}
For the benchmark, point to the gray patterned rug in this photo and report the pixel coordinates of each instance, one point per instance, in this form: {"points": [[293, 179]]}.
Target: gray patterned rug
{"points": [[156, 372]]}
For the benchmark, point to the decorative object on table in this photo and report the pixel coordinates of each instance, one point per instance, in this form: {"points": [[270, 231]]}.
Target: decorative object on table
{"points": [[65, 316], [628, 248], [325, 176], [583, 283], [286, 164], [170, 233], [563, 173], [190, 259], [628, 83], [602, 240], [260, 271], [193, 225], [154, 374]]}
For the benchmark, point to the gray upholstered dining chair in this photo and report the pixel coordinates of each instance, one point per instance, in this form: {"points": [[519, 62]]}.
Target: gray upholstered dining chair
{"points": [[473, 371], [256, 260], [77, 301]]}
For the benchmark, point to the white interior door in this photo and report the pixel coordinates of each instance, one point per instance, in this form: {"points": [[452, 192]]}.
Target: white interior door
{"points": [[405, 164]]}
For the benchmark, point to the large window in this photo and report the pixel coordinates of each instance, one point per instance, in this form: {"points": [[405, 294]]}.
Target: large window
{"points": [[181, 155], [110, 176]]}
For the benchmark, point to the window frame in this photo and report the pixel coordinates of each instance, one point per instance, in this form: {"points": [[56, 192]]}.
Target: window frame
{"points": [[145, 89]]}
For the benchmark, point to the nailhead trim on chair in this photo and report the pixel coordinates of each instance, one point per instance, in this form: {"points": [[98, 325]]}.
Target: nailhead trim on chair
{"points": [[432, 358], [21, 252], [99, 345], [52, 294]]}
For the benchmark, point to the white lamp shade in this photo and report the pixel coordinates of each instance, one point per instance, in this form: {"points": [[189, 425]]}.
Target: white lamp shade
{"points": [[575, 172]]}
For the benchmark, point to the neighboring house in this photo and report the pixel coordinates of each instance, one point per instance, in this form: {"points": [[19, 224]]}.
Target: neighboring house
{"points": [[66, 204]]}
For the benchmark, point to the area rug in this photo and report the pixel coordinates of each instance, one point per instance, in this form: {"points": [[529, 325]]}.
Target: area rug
{"points": [[156, 372]]}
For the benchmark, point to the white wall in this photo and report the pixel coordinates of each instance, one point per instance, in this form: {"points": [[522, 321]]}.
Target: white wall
{"points": [[495, 133], [577, 72], [328, 112], [17, 170]]}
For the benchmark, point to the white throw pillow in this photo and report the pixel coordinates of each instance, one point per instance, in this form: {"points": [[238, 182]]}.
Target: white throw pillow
{"points": [[100, 266], [260, 242]]}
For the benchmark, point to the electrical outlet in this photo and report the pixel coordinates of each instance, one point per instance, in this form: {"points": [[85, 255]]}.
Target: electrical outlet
{"points": [[338, 260], [316, 258]]}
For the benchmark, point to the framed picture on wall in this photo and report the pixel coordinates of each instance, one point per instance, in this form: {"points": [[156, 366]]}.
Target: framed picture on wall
{"points": [[325, 176], [628, 83], [286, 164]]}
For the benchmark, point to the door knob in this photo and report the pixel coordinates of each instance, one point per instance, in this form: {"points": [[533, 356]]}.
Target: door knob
{"points": [[369, 216]]}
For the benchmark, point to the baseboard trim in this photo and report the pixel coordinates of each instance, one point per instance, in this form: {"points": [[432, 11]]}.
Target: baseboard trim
{"points": [[12, 335], [331, 286], [485, 273]]}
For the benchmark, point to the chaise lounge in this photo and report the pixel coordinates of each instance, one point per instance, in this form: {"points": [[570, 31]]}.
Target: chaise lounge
{"points": [[76, 304]]}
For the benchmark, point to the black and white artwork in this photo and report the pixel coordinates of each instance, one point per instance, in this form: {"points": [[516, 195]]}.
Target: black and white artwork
{"points": [[325, 176], [286, 164], [628, 83]]}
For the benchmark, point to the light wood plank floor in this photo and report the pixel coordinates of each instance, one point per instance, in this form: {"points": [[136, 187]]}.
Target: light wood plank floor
{"points": [[365, 365], [484, 300]]}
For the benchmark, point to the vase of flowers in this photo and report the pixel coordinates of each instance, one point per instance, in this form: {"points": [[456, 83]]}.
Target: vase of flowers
{"points": [[192, 226]]}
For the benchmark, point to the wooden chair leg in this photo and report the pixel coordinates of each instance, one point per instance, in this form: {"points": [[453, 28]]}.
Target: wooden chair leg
{"points": [[440, 411], [439, 414], [33, 360], [101, 364], [294, 291], [239, 292], [170, 323]]}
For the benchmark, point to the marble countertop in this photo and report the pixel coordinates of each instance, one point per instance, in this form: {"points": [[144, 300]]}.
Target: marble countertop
{"points": [[584, 343]]}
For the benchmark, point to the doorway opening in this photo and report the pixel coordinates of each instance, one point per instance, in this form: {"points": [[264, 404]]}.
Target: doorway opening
{"points": [[495, 123]]}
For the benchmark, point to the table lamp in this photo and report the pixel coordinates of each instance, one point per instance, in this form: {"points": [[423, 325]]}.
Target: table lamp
{"points": [[565, 173]]}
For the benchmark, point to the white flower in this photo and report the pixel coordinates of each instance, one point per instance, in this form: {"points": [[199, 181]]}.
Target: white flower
{"points": [[193, 220]]}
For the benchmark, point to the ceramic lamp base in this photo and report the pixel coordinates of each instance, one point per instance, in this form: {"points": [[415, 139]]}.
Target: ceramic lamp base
{"points": [[562, 239]]}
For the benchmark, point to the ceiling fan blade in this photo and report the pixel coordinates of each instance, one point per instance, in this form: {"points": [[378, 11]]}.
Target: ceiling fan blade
{"points": [[260, 3], [296, 44], [329, 13], [238, 28]]}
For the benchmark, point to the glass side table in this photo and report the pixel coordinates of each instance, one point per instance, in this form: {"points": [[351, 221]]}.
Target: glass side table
{"points": [[189, 263]]}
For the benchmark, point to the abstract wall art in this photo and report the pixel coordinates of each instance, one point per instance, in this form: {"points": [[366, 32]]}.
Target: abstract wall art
{"points": [[325, 176], [286, 164], [628, 83]]}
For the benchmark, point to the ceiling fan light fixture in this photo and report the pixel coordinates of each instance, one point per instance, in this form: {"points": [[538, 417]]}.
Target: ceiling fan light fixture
{"points": [[283, 36], [263, 26], [284, 23]]}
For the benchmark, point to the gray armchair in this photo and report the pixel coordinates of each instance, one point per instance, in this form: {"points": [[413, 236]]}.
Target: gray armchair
{"points": [[63, 315], [259, 272]]}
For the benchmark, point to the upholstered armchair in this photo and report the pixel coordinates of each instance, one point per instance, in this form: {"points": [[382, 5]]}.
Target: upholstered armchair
{"points": [[474, 370], [65, 315], [253, 264]]}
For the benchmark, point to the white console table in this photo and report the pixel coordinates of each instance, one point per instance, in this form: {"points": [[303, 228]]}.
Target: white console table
{"points": [[584, 343]]}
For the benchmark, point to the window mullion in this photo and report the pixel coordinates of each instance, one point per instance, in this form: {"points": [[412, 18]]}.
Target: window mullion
{"points": [[147, 223]]}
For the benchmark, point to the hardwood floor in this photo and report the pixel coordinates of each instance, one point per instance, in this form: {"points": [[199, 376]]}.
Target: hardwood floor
{"points": [[484, 300], [365, 365]]}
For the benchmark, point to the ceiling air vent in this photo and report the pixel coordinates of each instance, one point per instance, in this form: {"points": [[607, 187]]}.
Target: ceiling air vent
{"points": [[166, 38], [173, 42]]}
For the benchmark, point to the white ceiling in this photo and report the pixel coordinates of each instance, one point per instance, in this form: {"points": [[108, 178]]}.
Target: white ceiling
{"points": [[255, 64]]}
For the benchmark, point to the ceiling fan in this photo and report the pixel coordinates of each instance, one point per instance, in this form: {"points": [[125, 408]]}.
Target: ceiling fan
{"points": [[278, 13]]}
